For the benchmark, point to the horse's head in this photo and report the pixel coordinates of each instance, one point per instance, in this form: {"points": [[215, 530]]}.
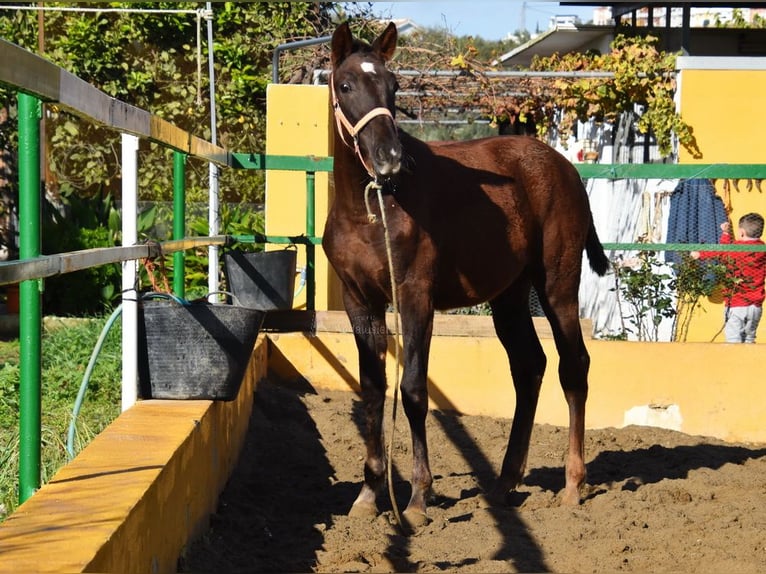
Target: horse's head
{"points": [[363, 92]]}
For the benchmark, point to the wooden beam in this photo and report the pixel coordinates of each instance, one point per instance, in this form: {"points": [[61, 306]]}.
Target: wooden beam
{"points": [[445, 325]]}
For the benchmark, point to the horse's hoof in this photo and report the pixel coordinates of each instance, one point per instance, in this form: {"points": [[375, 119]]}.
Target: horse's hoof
{"points": [[415, 519], [570, 498], [495, 498], [363, 510]]}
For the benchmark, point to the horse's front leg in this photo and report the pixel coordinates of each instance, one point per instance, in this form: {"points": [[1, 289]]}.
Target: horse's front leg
{"points": [[369, 329], [417, 324]]}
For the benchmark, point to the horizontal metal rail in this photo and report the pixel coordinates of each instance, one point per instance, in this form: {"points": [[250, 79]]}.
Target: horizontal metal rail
{"points": [[278, 239], [281, 162], [671, 170], [50, 265], [707, 247], [61, 263]]}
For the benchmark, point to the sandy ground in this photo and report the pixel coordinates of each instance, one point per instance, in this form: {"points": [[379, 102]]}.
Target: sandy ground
{"points": [[657, 500]]}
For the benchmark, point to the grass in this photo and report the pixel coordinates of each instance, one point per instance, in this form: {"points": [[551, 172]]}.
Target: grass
{"points": [[66, 350]]}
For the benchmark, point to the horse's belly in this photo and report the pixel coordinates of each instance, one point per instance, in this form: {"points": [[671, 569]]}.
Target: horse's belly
{"points": [[461, 289]]}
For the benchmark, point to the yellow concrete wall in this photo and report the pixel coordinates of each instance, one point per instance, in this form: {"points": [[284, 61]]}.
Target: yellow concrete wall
{"points": [[718, 388], [725, 108], [298, 123], [723, 105], [131, 500]]}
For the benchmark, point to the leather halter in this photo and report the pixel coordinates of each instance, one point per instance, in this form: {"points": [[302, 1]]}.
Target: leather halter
{"points": [[353, 129]]}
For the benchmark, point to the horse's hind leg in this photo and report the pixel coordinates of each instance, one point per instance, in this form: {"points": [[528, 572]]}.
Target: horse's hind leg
{"points": [[370, 335], [562, 309], [515, 329]]}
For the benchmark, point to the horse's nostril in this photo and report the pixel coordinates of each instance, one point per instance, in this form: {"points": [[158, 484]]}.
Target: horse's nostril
{"points": [[391, 154], [387, 159]]}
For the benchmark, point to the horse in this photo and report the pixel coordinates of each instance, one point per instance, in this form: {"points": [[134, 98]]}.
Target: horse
{"points": [[466, 223]]}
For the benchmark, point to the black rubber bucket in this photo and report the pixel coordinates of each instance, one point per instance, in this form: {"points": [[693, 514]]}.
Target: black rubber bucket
{"points": [[262, 280], [194, 350]]}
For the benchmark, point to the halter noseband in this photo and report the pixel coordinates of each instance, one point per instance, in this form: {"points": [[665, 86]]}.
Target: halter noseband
{"points": [[353, 129]]}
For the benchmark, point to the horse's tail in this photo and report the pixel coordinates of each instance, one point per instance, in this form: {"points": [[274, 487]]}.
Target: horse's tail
{"points": [[599, 262]]}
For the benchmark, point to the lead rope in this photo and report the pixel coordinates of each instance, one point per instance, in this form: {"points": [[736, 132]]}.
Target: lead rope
{"points": [[394, 301]]}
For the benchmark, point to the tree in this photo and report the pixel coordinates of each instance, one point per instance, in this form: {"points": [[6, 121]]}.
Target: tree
{"points": [[642, 75], [151, 60]]}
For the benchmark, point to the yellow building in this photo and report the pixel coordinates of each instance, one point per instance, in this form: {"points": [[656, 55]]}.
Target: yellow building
{"points": [[721, 98]]}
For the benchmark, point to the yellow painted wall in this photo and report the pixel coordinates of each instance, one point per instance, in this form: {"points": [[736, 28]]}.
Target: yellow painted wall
{"points": [[717, 388], [725, 108], [298, 123], [722, 105]]}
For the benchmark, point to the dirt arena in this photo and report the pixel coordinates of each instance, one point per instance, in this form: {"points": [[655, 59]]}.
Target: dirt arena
{"points": [[657, 500]]}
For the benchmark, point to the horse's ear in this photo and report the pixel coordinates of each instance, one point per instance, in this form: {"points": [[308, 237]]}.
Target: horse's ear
{"points": [[385, 44], [342, 44]]}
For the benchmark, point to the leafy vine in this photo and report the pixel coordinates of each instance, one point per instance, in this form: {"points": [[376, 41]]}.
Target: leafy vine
{"points": [[639, 75]]}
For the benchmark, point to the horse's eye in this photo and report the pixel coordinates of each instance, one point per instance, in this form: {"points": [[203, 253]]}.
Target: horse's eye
{"points": [[345, 87]]}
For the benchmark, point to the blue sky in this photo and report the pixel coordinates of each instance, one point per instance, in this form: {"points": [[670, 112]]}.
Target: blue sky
{"points": [[492, 20]]}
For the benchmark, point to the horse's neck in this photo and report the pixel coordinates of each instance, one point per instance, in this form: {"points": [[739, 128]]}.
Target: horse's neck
{"points": [[350, 178]]}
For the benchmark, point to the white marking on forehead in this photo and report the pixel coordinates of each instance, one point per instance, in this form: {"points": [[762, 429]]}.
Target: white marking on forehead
{"points": [[368, 67]]}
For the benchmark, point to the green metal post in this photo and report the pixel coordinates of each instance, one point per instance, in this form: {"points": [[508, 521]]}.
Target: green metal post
{"points": [[179, 221], [310, 247], [30, 331]]}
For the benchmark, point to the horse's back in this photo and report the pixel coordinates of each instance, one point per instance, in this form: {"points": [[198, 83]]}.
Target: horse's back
{"points": [[539, 180], [509, 155]]}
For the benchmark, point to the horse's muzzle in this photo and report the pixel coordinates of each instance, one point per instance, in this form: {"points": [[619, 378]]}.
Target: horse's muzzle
{"points": [[387, 160]]}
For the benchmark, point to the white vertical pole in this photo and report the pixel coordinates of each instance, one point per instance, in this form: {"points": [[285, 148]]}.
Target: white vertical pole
{"points": [[129, 271], [214, 223], [214, 218]]}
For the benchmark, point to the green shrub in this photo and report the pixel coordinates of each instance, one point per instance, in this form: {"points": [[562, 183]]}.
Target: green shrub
{"points": [[66, 351]]}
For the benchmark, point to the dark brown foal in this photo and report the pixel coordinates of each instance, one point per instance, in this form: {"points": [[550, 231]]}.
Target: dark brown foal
{"points": [[474, 221]]}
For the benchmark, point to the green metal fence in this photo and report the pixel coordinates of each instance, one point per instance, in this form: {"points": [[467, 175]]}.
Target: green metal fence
{"points": [[39, 81]]}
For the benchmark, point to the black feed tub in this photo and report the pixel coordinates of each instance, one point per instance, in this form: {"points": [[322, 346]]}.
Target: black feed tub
{"points": [[261, 280], [194, 350]]}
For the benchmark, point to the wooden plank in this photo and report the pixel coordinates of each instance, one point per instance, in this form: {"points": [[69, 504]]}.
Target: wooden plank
{"points": [[23, 270], [29, 72], [87, 258], [81, 97], [205, 150], [162, 131], [173, 245], [130, 119], [445, 325], [50, 265]]}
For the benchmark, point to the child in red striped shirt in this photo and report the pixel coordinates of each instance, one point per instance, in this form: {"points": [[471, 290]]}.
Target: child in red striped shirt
{"points": [[744, 303]]}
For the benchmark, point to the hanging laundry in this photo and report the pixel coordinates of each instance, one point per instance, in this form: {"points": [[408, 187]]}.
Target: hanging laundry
{"points": [[696, 215]]}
